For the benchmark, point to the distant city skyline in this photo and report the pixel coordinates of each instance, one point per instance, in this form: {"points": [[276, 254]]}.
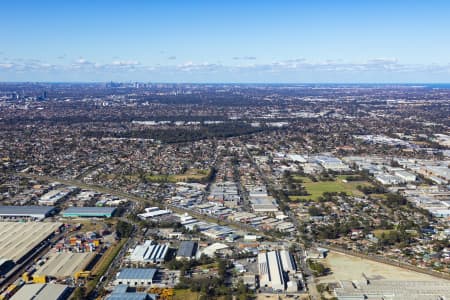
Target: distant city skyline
{"points": [[229, 41]]}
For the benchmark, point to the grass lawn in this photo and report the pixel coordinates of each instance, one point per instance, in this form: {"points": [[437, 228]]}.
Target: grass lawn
{"points": [[190, 175], [378, 232], [193, 175], [213, 265], [185, 295], [299, 178], [378, 196], [189, 295], [316, 189]]}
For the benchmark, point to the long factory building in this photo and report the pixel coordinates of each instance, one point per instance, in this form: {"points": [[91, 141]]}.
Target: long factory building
{"points": [[274, 267], [33, 212], [89, 212], [19, 240], [392, 290]]}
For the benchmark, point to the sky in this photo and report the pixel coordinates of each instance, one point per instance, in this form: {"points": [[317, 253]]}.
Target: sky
{"points": [[260, 41]]}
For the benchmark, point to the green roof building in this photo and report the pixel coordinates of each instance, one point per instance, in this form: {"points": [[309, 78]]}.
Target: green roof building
{"points": [[89, 212]]}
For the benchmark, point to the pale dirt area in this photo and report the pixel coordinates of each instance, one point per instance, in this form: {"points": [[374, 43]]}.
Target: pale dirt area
{"points": [[346, 267]]}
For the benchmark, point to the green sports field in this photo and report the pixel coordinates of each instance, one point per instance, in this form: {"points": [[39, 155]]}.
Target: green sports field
{"points": [[316, 189]]}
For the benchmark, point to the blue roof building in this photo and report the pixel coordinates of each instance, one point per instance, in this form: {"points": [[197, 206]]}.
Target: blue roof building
{"points": [[187, 250], [123, 292], [136, 277]]}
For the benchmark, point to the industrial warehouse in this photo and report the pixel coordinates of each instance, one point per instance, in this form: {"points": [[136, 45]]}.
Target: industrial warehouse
{"points": [[275, 268], [149, 252], [89, 212], [187, 250], [19, 240], [136, 277], [65, 264], [392, 290], [41, 291], [8, 212], [154, 212], [122, 292]]}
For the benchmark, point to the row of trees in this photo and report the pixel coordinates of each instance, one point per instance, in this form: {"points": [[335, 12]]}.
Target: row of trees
{"points": [[179, 135]]}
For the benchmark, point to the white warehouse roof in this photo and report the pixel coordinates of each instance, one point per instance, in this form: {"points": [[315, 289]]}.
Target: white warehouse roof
{"points": [[149, 252], [272, 267]]}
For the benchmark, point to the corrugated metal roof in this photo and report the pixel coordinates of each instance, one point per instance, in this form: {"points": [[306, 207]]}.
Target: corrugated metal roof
{"points": [[28, 291], [40, 291], [140, 273], [25, 210], [121, 293], [187, 249], [130, 296], [89, 210], [276, 273], [51, 292], [288, 261], [149, 252]]}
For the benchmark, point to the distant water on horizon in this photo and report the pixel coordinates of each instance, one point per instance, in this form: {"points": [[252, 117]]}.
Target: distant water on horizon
{"points": [[438, 85], [412, 85]]}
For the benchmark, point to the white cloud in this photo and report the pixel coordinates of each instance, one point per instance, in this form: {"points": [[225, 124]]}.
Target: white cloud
{"points": [[244, 57], [82, 61], [289, 66], [6, 65], [125, 63], [383, 61]]}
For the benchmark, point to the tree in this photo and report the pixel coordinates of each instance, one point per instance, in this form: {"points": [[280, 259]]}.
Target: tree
{"points": [[222, 268], [394, 200], [314, 211], [318, 268], [124, 229]]}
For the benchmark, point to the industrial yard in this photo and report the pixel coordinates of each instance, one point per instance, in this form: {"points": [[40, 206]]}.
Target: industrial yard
{"points": [[345, 267]]}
